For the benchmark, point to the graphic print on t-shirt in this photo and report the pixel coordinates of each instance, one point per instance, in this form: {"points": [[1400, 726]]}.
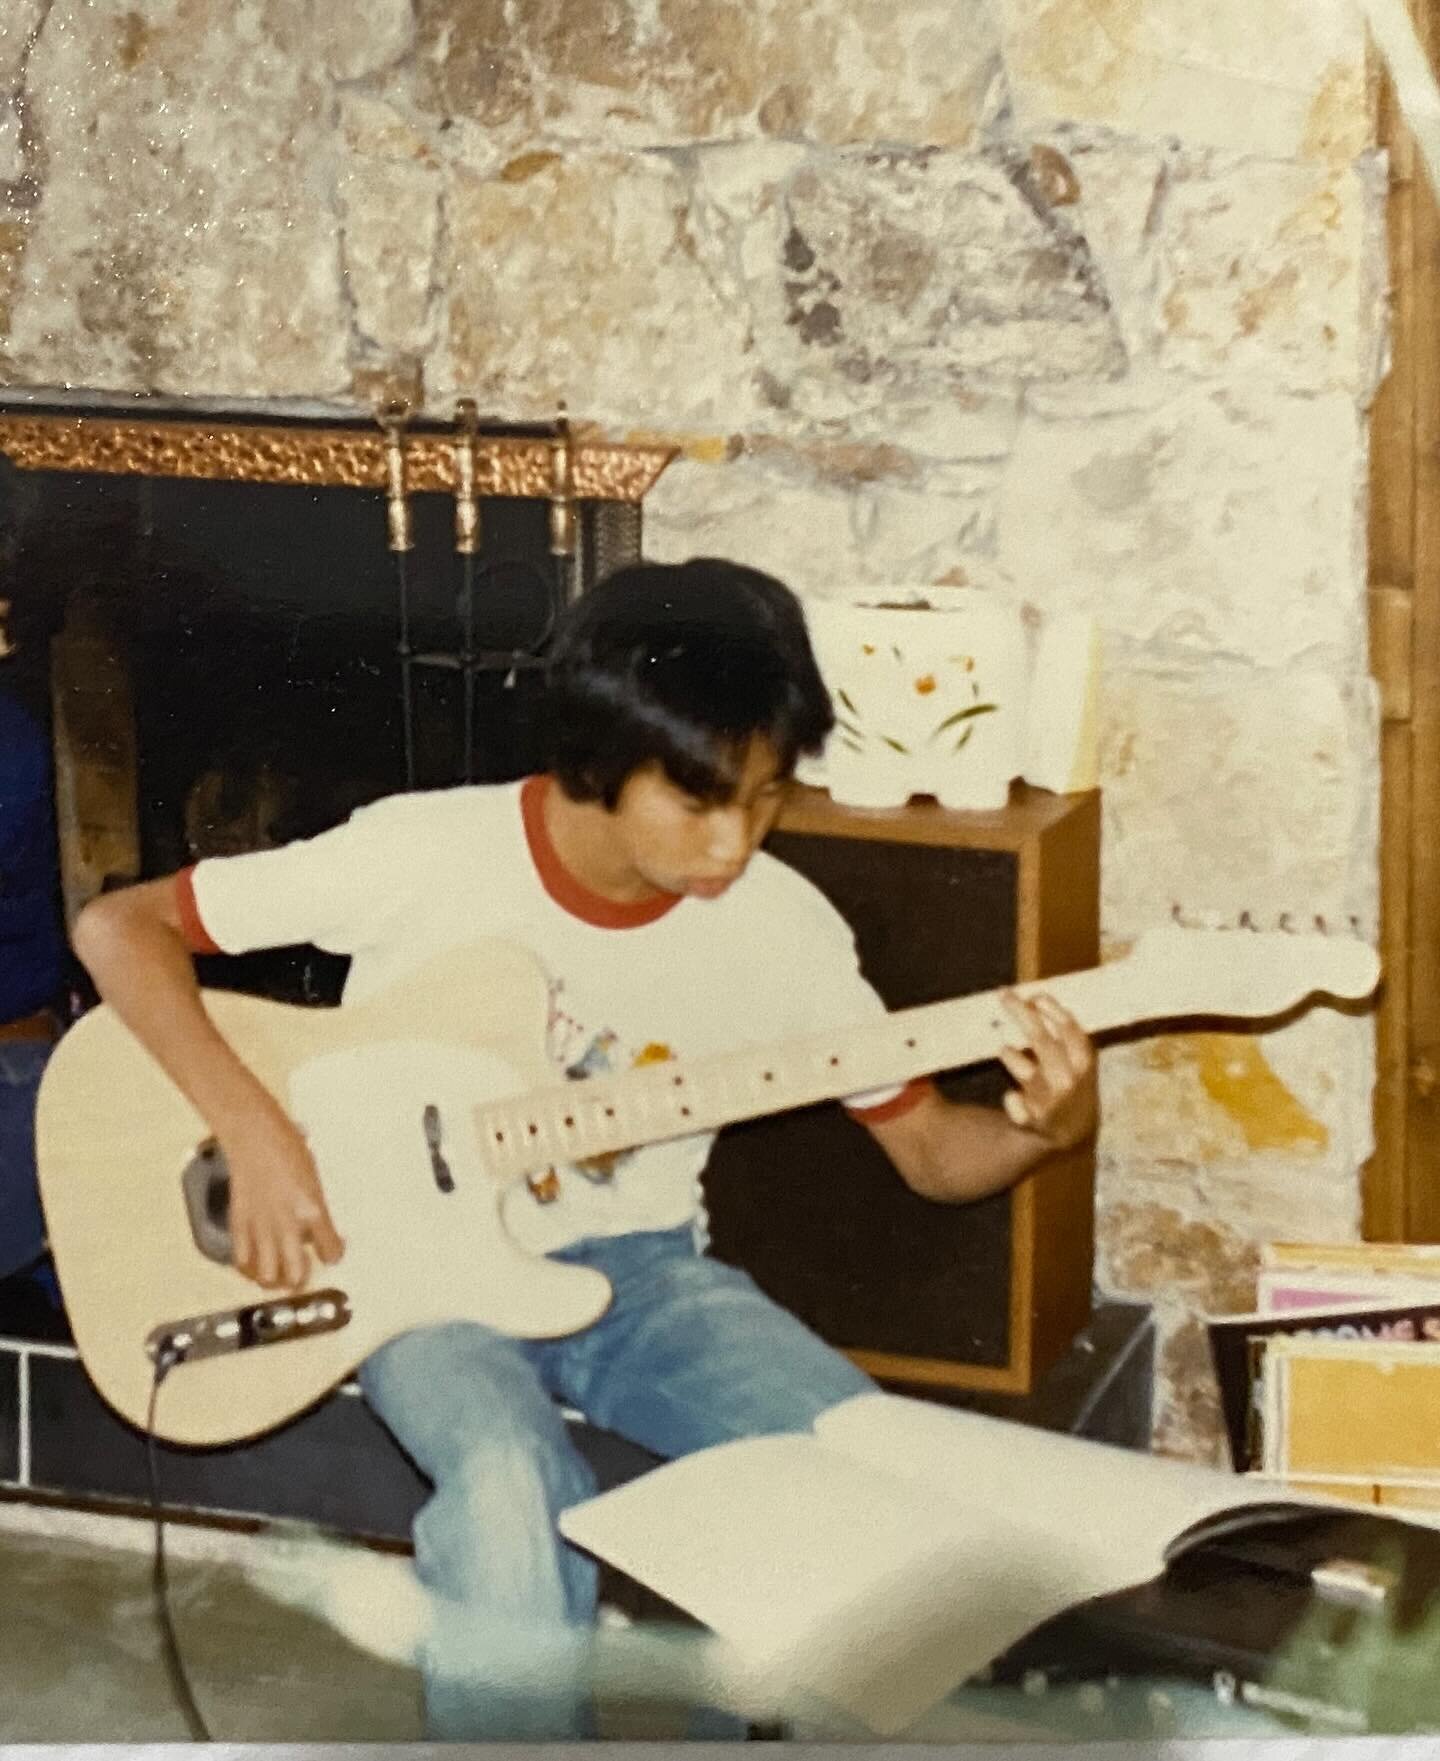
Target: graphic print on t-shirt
{"points": [[598, 1057]]}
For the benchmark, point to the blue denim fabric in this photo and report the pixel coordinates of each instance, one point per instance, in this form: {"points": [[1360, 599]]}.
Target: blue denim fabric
{"points": [[689, 1353], [22, 1224]]}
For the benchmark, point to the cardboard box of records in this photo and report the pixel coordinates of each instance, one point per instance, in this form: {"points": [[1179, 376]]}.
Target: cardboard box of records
{"points": [[1332, 1383]]}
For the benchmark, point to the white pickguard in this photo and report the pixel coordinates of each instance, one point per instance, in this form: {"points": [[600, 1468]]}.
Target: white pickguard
{"points": [[362, 1110]]}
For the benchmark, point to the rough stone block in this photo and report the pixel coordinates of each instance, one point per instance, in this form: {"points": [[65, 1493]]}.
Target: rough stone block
{"points": [[186, 233], [892, 275], [1116, 185], [825, 536], [1282, 79], [1262, 273], [805, 534], [581, 280], [1278, 1104], [1231, 789], [629, 73], [19, 23], [1216, 522], [12, 157], [391, 221], [1188, 1424], [365, 36], [378, 127], [1146, 1247]]}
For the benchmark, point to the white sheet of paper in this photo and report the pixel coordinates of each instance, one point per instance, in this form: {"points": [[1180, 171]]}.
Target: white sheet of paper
{"points": [[824, 1572], [886, 1559]]}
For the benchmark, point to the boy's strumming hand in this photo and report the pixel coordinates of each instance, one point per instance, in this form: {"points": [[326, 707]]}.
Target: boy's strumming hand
{"points": [[1055, 1094], [277, 1208]]}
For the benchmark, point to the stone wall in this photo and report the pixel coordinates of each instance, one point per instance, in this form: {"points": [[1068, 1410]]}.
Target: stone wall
{"points": [[1075, 301]]}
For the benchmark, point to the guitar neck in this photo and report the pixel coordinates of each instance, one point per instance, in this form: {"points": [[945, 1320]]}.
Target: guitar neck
{"points": [[573, 1121]]}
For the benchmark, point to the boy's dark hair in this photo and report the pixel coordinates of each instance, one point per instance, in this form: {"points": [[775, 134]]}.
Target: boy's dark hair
{"points": [[680, 664]]}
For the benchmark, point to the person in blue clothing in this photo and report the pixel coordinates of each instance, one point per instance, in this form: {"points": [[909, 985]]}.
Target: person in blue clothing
{"points": [[32, 976]]}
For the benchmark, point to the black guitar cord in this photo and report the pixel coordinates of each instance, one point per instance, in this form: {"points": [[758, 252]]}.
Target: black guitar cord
{"points": [[165, 1360]]}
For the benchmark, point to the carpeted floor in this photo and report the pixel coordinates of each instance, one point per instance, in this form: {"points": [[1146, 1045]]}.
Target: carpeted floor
{"points": [[82, 1660]]}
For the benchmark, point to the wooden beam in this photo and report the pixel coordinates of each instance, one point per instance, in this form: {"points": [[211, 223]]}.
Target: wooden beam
{"points": [[1422, 1143], [1392, 580]]}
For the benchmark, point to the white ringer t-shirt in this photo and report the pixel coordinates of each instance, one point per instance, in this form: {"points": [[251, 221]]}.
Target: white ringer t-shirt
{"points": [[415, 875]]}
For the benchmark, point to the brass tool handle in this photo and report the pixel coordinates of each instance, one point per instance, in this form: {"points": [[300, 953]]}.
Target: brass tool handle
{"points": [[562, 489], [467, 506], [392, 421]]}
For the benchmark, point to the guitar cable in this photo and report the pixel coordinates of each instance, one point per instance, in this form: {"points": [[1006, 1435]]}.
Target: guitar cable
{"points": [[166, 1357]]}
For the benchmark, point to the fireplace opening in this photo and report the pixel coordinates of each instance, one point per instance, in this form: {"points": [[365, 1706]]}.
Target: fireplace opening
{"points": [[225, 673]]}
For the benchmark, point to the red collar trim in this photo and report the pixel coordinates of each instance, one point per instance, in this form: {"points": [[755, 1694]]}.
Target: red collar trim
{"points": [[567, 892]]}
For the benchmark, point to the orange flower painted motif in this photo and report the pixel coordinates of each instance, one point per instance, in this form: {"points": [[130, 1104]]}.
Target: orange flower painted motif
{"points": [[654, 1053], [926, 684]]}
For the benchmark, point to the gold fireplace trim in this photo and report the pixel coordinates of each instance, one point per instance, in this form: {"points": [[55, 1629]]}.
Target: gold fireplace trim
{"points": [[347, 458]]}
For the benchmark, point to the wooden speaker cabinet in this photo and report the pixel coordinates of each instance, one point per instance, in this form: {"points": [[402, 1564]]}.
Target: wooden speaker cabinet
{"points": [[945, 1298]]}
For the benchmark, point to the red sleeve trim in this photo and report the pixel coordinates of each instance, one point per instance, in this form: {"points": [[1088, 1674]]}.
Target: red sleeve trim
{"points": [[910, 1096], [197, 938]]}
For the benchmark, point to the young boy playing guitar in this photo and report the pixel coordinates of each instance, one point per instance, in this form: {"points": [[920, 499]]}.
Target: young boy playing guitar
{"points": [[680, 698]]}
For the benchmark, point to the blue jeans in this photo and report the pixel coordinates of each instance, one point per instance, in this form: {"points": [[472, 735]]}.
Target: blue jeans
{"points": [[22, 1224], [689, 1353]]}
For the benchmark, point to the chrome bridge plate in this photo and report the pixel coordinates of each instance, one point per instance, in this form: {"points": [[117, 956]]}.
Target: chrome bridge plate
{"points": [[274, 1321]]}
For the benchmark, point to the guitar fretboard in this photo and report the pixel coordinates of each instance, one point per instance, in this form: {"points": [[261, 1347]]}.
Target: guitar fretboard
{"points": [[574, 1121]]}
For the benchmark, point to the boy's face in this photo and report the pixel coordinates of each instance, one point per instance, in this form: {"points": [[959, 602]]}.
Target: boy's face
{"points": [[678, 844]]}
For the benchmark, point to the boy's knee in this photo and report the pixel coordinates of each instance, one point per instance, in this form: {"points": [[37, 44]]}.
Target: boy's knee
{"points": [[703, 1278], [515, 1476]]}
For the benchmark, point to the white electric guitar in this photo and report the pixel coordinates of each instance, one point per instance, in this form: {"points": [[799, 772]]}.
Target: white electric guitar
{"points": [[428, 1103]]}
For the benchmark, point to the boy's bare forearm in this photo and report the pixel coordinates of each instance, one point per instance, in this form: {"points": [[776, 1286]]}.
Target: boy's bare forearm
{"points": [[142, 969], [134, 949]]}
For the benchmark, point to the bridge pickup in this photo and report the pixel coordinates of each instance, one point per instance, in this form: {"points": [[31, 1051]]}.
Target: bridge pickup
{"points": [[273, 1322]]}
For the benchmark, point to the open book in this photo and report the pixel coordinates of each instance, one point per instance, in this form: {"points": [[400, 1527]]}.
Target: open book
{"points": [[881, 1560]]}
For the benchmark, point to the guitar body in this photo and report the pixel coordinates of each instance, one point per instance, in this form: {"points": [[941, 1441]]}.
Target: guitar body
{"points": [[114, 1138]]}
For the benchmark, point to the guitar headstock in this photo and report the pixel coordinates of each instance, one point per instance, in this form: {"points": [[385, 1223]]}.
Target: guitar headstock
{"points": [[1252, 971]]}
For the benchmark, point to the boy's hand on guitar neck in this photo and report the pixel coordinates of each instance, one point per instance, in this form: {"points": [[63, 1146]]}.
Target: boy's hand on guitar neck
{"points": [[1055, 1094], [278, 1212]]}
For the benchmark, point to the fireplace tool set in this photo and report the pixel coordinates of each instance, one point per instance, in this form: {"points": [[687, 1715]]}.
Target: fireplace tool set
{"points": [[562, 584]]}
